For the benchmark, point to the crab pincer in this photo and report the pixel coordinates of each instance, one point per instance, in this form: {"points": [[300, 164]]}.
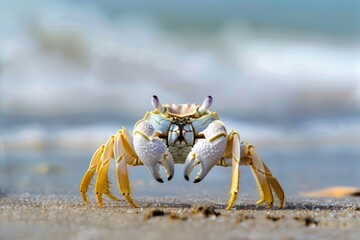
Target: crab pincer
{"points": [[152, 150], [207, 151]]}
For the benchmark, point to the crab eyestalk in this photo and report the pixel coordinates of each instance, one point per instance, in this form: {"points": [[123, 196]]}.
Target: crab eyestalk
{"points": [[206, 104], [156, 103]]}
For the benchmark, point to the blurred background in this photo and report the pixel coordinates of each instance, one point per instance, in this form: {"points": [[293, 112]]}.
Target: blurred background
{"points": [[286, 75]]}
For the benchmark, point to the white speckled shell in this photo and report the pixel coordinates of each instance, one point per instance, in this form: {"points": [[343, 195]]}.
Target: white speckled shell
{"points": [[214, 129], [150, 149], [146, 128], [210, 152]]}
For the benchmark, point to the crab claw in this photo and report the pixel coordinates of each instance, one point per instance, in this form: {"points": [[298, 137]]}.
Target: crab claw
{"points": [[152, 150], [190, 164], [154, 168], [206, 152]]}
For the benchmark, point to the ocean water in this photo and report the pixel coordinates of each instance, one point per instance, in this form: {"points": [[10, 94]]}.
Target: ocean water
{"points": [[60, 172]]}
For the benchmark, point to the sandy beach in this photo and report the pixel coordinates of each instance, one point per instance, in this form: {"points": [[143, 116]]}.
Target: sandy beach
{"points": [[29, 216]]}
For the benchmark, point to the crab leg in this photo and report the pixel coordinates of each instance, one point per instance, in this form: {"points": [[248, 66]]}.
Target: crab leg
{"points": [[270, 179], [120, 148], [275, 186], [102, 182], [234, 149], [93, 166], [264, 179], [263, 176], [259, 173], [124, 154]]}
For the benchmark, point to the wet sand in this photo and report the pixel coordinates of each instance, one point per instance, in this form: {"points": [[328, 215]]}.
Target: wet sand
{"points": [[66, 217]]}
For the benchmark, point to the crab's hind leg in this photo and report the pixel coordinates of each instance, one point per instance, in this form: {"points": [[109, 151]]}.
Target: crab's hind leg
{"points": [[120, 148], [102, 182], [93, 167], [124, 154], [238, 154], [264, 179], [275, 186]]}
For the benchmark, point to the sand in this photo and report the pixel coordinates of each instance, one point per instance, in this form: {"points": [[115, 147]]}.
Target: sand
{"points": [[29, 216]]}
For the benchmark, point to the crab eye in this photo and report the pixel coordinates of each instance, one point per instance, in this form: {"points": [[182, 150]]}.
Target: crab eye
{"points": [[156, 103], [206, 104]]}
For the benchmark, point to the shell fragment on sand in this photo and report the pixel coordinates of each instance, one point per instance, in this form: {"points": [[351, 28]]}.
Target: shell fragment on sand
{"points": [[339, 192]]}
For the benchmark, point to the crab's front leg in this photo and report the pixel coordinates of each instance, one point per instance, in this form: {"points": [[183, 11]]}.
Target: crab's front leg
{"points": [[152, 150], [207, 151]]}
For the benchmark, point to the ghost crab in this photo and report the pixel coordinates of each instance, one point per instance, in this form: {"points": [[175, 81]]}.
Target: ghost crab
{"points": [[178, 133]]}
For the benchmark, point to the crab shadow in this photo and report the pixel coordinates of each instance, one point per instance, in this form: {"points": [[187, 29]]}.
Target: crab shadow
{"points": [[3, 193], [289, 206]]}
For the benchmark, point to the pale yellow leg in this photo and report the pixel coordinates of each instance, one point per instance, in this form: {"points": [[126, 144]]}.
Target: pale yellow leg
{"points": [[259, 173], [124, 154], [94, 163], [120, 148], [265, 182], [233, 148], [257, 181], [275, 186], [102, 182]]}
